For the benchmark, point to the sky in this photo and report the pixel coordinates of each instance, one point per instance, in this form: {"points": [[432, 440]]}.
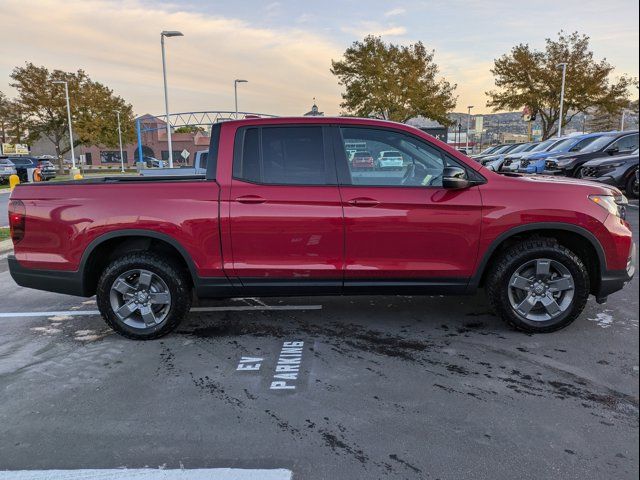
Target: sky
{"points": [[284, 48]]}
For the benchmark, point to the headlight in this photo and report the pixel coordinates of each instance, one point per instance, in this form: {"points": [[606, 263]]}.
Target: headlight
{"points": [[564, 161], [614, 205]]}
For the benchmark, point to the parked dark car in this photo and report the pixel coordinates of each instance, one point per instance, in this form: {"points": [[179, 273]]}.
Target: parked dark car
{"points": [[47, 169], [22, 164], [618, 171], [611, 144]]}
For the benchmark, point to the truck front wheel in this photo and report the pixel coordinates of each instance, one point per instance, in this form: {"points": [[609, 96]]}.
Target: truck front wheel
{"points": [[538, 286], [143, 296]]}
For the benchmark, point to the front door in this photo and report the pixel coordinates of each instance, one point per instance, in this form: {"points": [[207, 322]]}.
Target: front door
{"points": [[285, 214], [402, 227]]}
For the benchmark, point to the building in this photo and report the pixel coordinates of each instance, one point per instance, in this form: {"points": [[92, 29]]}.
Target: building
{"points": [[154, 145], [314, 112]]}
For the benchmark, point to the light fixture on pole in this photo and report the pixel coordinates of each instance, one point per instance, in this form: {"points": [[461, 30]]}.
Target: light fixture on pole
{"points": [[167, 33], [66, 94], [564, 76], [120, 141], [235, 91], [468, 127]]}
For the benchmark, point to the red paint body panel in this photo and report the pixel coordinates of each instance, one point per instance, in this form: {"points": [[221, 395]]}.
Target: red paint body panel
{"points": [[313, 231]]}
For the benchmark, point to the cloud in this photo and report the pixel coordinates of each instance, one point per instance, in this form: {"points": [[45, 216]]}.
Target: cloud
{"points": [[118, 43], [394, 12]]}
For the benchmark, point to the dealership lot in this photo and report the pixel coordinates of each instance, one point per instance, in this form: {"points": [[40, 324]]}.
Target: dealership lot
{"points": [[354, 387]]}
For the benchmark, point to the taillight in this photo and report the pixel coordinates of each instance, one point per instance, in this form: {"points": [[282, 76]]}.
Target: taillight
{"points": [[17, 216]]}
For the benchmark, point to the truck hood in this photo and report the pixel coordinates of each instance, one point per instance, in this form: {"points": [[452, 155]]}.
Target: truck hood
{"points": [[610, 160], [597, 188]]}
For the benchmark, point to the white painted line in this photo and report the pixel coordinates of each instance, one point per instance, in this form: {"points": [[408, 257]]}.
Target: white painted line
{"points": [[81, 313], [149, 474]]}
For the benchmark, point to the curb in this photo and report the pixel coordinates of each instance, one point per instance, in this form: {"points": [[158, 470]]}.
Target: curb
{"points": [[6, 246], [4, 190]]}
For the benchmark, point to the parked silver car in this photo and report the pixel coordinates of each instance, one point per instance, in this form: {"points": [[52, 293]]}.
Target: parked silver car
{"points": [[7, 168]]}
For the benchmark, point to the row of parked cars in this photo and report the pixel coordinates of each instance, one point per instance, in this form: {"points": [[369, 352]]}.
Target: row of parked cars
{"points": [[20, 165], [607, 157]]}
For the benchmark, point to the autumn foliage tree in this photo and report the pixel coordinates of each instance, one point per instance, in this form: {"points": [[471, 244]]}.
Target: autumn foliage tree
{"points": [[395, 82], [531, 78], [93, 107]]}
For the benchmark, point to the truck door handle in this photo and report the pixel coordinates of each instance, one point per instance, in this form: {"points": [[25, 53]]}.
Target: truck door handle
{"points": [[250, 199], [363, 202]]}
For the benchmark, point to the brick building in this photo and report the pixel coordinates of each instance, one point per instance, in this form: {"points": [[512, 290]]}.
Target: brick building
{"points": [[154, 144]]}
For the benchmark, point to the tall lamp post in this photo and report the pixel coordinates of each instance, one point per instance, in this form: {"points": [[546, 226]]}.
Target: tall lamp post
{"points": [[564, 76], [73, 155], [235, 91], [120, 141], [468, 127], [167, 33]]}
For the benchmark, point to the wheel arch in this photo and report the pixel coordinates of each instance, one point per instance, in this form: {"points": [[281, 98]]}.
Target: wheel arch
{"points": [[585, 245], [101, 249]]}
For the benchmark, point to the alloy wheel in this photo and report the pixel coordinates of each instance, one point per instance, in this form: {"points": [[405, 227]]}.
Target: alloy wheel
{"points": [[140, 298], [541, 290]]}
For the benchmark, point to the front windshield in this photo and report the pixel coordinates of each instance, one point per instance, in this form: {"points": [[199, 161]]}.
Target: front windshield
{"points": [[563, 146], [599, 143], [489, 150], [542, 146], [520, 148]]}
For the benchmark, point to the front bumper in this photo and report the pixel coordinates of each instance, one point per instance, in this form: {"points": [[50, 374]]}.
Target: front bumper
{"points": [[613, 281]]}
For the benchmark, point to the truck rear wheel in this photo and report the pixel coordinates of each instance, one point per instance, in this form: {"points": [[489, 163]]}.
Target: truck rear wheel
{"points": [[538, 286], [143, 296]]}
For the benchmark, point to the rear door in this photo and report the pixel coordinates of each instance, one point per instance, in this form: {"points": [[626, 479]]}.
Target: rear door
{"points": [[402, 228], [285, 212]]}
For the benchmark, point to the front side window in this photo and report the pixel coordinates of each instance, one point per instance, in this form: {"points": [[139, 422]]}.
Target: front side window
{"points": [[282, 156], [398, 159], [627, 144]]}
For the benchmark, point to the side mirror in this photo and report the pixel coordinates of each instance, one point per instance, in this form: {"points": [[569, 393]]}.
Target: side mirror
{"points": [[455, 178], [612, 150]]}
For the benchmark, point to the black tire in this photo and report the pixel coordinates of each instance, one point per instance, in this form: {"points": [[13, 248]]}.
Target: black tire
{"points": [[175, 278], [631, 188], [515, 256]]}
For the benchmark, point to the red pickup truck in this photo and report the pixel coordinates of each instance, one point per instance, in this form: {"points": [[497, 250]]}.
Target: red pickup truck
{"points": [[281, 212]]}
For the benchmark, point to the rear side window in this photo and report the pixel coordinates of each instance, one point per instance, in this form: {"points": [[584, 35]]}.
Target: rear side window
{"points": [[282, 156]]}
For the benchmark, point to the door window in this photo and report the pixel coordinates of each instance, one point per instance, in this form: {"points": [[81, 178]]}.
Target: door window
{"points": [[627, 144], [398, 159], [282, 156]]}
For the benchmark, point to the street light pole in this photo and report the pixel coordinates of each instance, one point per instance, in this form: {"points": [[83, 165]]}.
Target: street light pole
{"points": [[468, 127], [66, 94], [624, 111], [564, 76], [165, 33], [120, 141], [235, 92]]}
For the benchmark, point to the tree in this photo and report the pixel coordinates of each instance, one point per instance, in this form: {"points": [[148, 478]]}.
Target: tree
{"points": [[13, 121], [532, 78], [395, 82], [189, 129], [93, 108]]}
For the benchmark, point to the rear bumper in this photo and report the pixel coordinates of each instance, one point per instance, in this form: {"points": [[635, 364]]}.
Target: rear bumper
{"points": [[612, 281], [69, 283]]}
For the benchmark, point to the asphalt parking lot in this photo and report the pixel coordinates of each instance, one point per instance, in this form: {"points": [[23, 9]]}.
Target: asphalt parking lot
{"points": [[326, 388]]}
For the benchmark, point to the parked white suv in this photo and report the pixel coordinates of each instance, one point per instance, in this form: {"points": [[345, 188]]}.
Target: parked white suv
{"points": [[390, 159]]}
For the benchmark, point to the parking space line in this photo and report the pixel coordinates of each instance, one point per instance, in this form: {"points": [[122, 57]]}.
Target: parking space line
{"points": [[80, 313], [148, 473]]}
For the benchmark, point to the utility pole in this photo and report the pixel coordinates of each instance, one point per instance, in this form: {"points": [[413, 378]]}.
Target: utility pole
{"points": [[165, 33], [74, 171], [564, 76], [235, 92], [120, 140], [468, 127]]}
